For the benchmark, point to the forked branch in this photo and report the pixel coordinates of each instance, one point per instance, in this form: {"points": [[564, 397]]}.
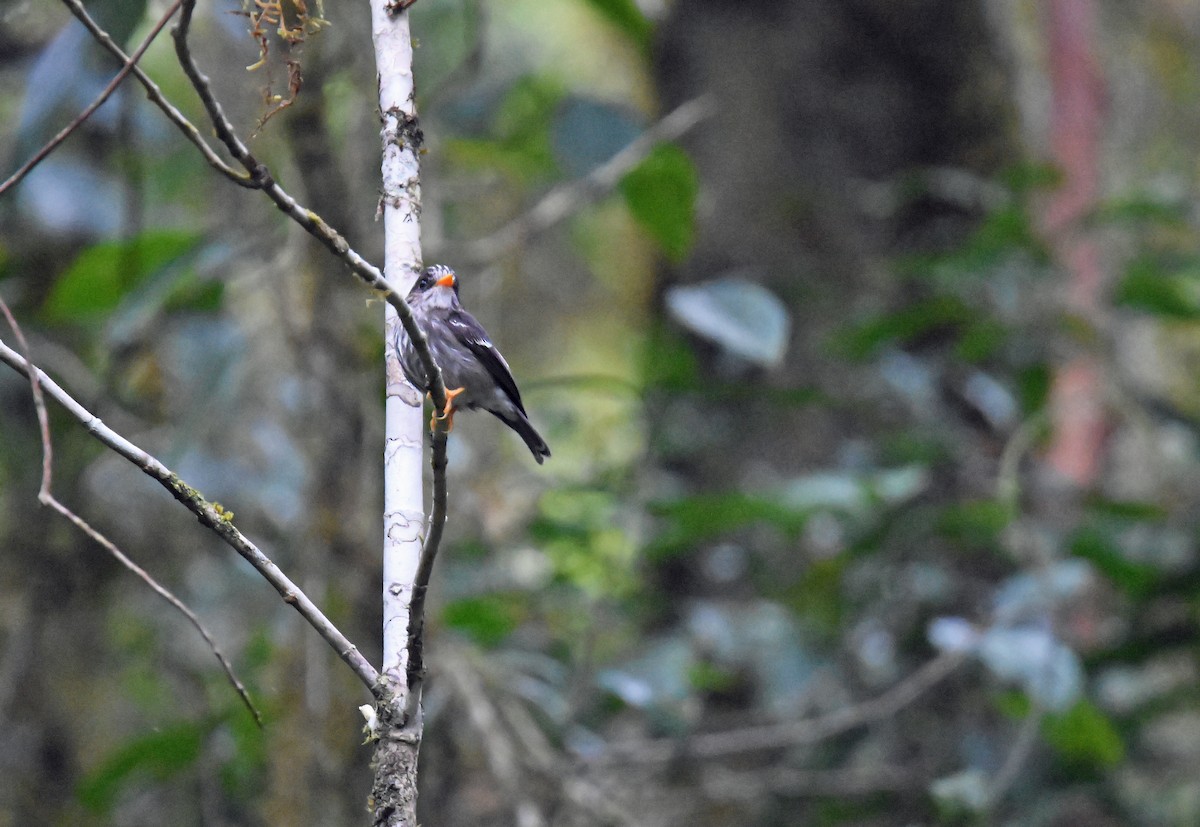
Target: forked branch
{"points": [[210, 515]]}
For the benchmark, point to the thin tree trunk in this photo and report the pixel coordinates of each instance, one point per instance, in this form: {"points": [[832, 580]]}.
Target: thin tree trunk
{"points": [[394, 793]]}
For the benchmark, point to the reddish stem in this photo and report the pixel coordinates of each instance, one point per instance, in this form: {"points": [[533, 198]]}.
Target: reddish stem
{"points": [[1076, 122]]}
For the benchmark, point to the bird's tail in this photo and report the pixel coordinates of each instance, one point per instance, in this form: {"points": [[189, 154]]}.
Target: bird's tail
{"points": [[532, 438]]}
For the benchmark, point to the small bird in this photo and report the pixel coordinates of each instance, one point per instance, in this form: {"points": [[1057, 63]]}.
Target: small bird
{"points": [[475, 374]]}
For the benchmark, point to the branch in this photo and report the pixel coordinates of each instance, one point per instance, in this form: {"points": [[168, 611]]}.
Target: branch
{"points": [[398, 720], [497, 745], [45, 497], [258, 176], [156, 96], [405, 134], [779, 735], [429, 549], [513, 741], [48, 499], [261, 178], [210, 514], [104, 95], [566, 199], [724, 783], [1017, 757]]}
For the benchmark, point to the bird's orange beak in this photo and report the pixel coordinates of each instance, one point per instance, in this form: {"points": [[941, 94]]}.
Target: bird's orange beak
{"points": [[446, 280]]}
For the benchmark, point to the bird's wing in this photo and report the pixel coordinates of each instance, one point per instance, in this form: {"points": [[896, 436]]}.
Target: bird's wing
{"points": [[470, 333]]}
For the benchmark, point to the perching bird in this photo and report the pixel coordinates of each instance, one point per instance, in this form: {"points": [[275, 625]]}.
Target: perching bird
{"points": [[475, 374]]}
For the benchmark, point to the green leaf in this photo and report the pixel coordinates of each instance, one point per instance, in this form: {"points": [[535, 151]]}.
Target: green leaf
{"points": [[817, 596], [980, 340], [1004, 233], [866, 339], [242, 771], [192, 293], [671, 364], [1033, 387], [689, 521], [1093, 544], [1162, 289], [103, 275], [975, 524], [519, 145], [1132, 510], [1084, 735], [709, 677], [1141, 209], [1012, 703], [1003, 230], [1031, 177], [627, 17], [159, 755], [661, 195], [579, 530], [528, 107], [487, 620]]}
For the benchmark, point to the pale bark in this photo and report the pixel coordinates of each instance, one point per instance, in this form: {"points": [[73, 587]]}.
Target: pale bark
{"points": [[400, 209], [394, 793]]}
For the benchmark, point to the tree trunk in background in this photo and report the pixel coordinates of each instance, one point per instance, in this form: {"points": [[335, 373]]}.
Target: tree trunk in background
{"points": [[818, 100]]}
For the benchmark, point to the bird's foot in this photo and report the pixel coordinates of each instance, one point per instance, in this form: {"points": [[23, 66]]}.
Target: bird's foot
{"points": [[448, 413]]}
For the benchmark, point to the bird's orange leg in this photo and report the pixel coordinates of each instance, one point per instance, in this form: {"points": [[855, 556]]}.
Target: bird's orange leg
{"points": [[448, 413]]}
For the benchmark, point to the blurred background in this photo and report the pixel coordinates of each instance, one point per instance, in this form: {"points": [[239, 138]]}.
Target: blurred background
{"points": [[871, 391]]}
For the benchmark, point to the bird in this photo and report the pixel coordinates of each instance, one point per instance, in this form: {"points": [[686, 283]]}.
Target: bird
{"points": [[474, 372]]}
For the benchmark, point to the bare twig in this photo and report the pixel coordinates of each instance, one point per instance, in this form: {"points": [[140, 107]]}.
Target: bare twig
{"points": [[210, 514], [161, 591], [1017, 757], [316, 226], [497, 743], [47, 498], [1008, 475], [104, 95], [429, 550], [513, 740], [39, 405], [726, 783], [790, 733], [258, 176], [372, 277], [157, 98], [566, 199]]}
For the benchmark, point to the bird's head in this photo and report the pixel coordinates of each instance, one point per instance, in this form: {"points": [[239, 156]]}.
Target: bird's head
{"points": [[437, 286]]}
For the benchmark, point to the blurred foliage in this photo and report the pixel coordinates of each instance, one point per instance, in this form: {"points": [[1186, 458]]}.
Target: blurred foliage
{"points": [[519, 143], [161, 755], [771, 502], [1085, 737], [581, 534], [106, 274], [661, 193], [626, 15], [1168, 287], [487, 619]]}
